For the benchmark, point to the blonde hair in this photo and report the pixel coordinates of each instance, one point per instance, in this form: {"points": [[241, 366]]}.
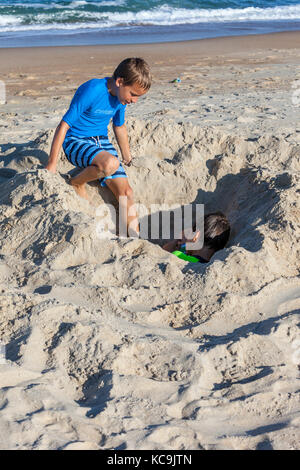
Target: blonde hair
{"points": [[134, 70]]}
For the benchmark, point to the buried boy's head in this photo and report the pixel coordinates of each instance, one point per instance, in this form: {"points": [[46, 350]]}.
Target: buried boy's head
{"points": [[216, 231], [215, 237], [132, 79]]}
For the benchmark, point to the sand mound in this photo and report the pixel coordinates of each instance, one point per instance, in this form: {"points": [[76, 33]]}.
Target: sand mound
{"points": [[114, 343]]}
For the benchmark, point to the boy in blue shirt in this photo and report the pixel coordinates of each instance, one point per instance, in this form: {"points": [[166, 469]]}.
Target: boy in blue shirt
{"points": [[82, 132]]}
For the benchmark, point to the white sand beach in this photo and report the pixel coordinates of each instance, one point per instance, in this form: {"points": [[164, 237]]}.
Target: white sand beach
{"points": [[114, 343]]}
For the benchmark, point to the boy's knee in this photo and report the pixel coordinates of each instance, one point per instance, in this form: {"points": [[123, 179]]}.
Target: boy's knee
{"points": [[111, 166], [108, 166]]}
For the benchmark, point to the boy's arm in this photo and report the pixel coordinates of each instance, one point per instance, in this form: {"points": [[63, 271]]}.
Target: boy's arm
{"points": [[122, 139], [172, 245], [57, 142]]}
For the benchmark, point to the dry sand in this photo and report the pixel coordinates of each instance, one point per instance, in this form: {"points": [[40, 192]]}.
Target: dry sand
{"points": [[114, 343]]}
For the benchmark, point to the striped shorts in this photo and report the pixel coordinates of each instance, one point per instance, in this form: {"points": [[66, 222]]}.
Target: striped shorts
{"points": [[80, 151]]}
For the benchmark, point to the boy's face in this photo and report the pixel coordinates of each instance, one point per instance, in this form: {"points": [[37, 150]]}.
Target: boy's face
{"points": [[128, 94]]}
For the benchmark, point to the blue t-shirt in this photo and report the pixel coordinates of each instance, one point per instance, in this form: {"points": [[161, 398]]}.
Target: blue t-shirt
{"points": [[92, 108]]}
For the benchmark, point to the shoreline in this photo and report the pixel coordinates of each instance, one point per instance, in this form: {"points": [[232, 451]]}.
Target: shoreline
{"points": [[285, 35], [243, 38], [145, 34]]}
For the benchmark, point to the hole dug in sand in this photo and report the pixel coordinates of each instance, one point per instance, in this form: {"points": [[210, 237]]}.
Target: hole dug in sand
{"points": [[253, 181]]}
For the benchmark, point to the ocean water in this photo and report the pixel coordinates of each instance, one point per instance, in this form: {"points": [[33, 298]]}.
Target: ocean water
{"points": [[79, 22]]}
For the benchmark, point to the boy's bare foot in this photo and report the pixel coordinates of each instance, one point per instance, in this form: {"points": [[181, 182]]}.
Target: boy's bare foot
{"points": [[80, 190]]}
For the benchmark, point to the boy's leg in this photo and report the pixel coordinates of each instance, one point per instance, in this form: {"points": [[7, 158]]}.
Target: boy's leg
{"points": [[103, 164], [121, 187]]}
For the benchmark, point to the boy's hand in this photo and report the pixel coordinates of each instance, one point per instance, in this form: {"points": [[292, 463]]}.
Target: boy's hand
{"points": [[127, 161], [189, 237], [51, 168]]}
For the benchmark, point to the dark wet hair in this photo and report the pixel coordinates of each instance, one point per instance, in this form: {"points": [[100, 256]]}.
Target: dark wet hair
{"points": [[216, 230], [134, 70]]}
